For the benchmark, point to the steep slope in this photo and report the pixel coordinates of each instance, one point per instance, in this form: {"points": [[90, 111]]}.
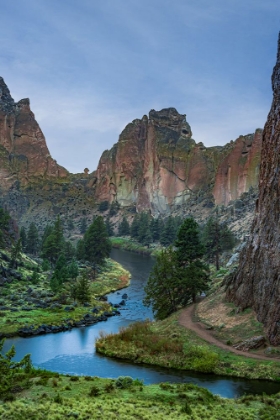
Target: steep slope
{"points": [[256, 283], [156, 164]]}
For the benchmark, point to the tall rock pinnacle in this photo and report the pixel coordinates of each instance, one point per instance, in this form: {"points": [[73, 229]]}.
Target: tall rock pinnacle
{"points": [[256, 283]]}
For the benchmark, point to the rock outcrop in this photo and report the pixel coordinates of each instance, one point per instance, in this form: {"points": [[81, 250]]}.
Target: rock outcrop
{"points": [[157, 165], [256, 283]]}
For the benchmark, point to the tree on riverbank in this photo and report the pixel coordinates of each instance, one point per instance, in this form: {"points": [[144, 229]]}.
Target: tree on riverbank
{"points": [[178, 275]]}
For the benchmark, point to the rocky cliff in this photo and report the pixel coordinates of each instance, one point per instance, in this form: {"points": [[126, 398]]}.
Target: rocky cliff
{"points": [[32, 185], [256, 283], [157, 165]]}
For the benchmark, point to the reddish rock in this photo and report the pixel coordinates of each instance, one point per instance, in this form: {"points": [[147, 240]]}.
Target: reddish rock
{"points": [[256, 283], [157, 165], [23, 150]]}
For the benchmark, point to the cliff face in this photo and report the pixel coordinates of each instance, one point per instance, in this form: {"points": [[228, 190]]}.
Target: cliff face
{"points": [[156, 164], [23, 150], [32, 185], [256, 283]]}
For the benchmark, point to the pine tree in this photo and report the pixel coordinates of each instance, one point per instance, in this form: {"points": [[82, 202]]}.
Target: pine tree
{"points": [[32, 241], [16, 253], [80, 250], [143, 226], [217, 237], [69, 250], [124, 228], [73, 270], [134, 227], [161, 289], [83, 289], [97, 243], [109, 227], [54, 243], [168, 233], [189, 252], [23, 237]]}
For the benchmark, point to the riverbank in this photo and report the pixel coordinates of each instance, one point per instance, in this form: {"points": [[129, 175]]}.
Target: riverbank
{"points": [[41, 394], [168, 344], [32, 309], [130, 244]]}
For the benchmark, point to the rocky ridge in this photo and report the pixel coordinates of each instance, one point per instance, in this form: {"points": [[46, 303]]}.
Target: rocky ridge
{"points": [[256, 283], [156, 166]]}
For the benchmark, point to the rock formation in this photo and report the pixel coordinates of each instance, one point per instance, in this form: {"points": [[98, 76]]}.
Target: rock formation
{"points": [[256, 283], [157, 165]]}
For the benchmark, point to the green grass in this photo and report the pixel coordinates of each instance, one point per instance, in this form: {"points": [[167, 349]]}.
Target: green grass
{"points": [[130, 244], [167, 344], [55, 397], [112, 277]]}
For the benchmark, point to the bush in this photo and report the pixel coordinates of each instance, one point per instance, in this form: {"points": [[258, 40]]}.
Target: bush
{"points": [[124, 382], [94, 391], [201, 358]]}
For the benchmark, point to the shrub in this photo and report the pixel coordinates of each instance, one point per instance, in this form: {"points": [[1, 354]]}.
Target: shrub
{"points": [[124, 382], [94, 391]]}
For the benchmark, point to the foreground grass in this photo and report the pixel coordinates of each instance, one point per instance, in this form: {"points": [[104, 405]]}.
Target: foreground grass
{"points": [[166, 343], [54, 397], [13, 296]]}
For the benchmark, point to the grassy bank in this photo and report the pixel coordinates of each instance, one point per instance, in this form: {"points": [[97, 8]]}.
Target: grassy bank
{"points": [[20, 300], [166, 343], [43, 395], [130, 244]]}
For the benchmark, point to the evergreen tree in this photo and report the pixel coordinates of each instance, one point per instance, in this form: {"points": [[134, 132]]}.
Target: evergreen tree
{"points": [[168, 233], [83, 289], [54, 243], [32, 241], [16, 253], [80, 250], [114, 208], [143, 226], [124, 228], [61, 269], [103, 206], [97, 243], [109, 227], [134, 227], [162, 287], [47, 231], [83, 225], [73, 270], [69, 250], [46, 265], [23, 237], [70, 224], [179, 275], [156, 227], [189, 253], [217, 237]]}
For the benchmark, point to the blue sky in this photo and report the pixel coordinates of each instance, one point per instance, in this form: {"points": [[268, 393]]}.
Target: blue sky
{"points": [[90, 67]]}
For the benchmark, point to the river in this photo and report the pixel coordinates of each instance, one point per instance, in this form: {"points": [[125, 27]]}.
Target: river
{"points": [[73, 351]]}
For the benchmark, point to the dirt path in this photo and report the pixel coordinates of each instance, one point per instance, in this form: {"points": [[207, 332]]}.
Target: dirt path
{"points": [[186, 320]]}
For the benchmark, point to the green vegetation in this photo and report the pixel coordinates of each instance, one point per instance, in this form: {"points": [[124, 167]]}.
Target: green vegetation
{"points": [[217, 238], [165, 343], [30, 302], [178, 275], [55, 397]]}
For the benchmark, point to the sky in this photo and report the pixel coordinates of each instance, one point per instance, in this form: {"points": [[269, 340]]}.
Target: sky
{"points": [[90, 67]]}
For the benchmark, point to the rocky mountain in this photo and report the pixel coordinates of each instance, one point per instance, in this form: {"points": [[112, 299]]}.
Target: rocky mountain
{"points": [[156, 165], [256, 283]]}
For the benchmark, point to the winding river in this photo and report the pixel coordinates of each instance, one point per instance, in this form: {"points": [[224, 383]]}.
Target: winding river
{"points": [[73, 351]]}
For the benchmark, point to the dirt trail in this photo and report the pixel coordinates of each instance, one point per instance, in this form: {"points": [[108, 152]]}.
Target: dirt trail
{"points": [[186, 320]]}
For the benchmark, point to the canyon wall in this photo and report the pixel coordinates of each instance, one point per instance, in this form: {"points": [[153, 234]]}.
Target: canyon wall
{"points": [[157, 165], [256, 283]]}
